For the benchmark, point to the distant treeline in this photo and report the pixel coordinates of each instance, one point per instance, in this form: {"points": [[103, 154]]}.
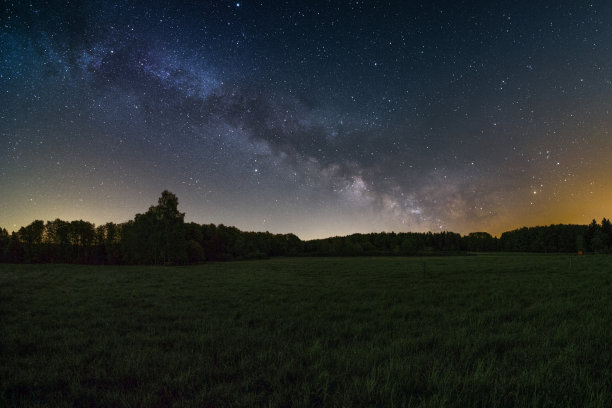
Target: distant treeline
{"points": [[161, 236], [554, 238]]}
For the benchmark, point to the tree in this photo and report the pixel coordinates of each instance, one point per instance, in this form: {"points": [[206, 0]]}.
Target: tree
{"points": [[173, 245], [111, 242], [606, 230], [480, 241], [157, 236], [57, 237], [4, 244], [15, 249], [593, 236], [32, 236], [82, 236]]}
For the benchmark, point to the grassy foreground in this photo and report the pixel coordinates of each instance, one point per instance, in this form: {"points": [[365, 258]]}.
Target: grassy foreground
{"points": [[489, 330]]}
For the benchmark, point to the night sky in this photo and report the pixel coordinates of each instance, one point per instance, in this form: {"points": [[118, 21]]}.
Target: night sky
{"points": [[317, 118]]}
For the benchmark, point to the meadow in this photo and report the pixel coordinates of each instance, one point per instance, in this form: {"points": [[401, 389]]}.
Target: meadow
{"points": [[500, 330]]}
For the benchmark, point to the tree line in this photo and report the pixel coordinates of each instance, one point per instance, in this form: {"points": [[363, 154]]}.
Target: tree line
{"points": [[161, 236]]}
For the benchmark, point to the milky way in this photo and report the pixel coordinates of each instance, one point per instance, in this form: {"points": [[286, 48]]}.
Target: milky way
{"points": [[322, 118]]}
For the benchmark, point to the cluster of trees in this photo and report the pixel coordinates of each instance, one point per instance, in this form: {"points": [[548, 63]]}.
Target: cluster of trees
{"points": [[161, 236], [56, 241], [384, 243], [560, 238], [594, 237]]}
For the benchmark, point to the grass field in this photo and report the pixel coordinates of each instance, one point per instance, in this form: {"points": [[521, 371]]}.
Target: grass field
{"points": [[488, 330]]}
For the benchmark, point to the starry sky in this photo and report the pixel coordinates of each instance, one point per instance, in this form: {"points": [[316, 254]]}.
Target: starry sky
{"points": [[320, 118]]}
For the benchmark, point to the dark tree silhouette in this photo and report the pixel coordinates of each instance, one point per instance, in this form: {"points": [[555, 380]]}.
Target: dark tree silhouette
{"points": [[480, 241], [4, 245], [606, 230], [15, 250], [157, 236], [31, 236]]}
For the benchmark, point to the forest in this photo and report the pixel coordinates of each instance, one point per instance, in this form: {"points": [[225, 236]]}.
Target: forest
{"points": [[162, 237]]}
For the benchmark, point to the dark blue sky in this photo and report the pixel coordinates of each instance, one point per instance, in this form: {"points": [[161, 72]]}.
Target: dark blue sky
{"points": [[322, 118]]}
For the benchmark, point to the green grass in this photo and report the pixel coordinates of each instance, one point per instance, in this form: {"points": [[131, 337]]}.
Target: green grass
{"points": [[488, 330]]}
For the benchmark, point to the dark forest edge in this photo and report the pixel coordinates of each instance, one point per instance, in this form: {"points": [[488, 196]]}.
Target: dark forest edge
{"points": [[161, 237]]}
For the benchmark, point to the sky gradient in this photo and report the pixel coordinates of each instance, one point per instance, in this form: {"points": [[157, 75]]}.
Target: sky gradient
{"points": [[317, 118]]}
